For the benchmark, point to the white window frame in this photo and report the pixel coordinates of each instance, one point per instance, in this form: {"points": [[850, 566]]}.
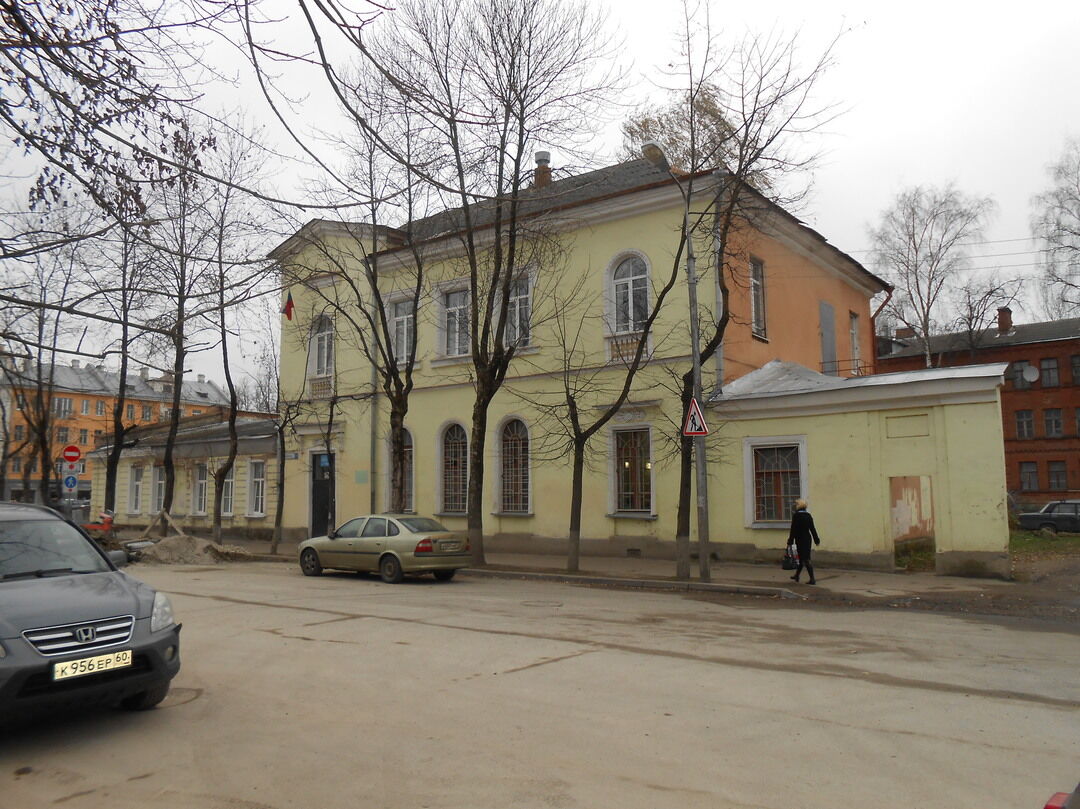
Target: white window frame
{"points": [[99, 408], [200, 477], [758, 299], [856, 347], [134, 504], [157, 500], [613, 472], [497, 479], [322, 346], [749, 494], [440, 494], [463, 337], [256, 489], [519, 300], [228, 488], [402, 327], [85, 410], [62, 406], [631, 326]]}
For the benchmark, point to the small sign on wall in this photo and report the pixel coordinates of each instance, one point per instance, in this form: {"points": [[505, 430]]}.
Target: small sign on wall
{"points": [[361, 477]]}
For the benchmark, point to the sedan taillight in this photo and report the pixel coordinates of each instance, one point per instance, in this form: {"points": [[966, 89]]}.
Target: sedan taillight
{"points": [[1057, 801], [424, 546]]}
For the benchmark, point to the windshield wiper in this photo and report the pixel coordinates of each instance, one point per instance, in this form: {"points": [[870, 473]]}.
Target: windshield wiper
{"points": [[41, 573]]}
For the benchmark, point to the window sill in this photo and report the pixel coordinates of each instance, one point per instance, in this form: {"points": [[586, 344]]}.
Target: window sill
{"points": [[761, 338], [776, 525], [512, 514], [457, 359], [255, 516], [632, 515], [451, 514]]}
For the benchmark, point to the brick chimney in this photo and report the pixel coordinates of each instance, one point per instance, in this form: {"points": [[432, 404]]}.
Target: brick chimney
{"points": [[75, 364], [542, 172], [144, 373], [904, 332], [201, 378], [1004, 321]]}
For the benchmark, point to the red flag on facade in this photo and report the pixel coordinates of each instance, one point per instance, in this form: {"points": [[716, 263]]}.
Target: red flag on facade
{"points": [[289, 306]]}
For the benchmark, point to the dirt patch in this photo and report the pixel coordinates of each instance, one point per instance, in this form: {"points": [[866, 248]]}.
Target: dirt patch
{"points": [[188, 550]]}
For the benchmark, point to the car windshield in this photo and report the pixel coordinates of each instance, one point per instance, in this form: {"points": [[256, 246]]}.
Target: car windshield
{"points": [[420, 525], [45, 548]]}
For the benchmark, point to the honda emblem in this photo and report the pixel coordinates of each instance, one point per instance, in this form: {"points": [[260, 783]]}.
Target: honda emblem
{"points": [[85, 634]]}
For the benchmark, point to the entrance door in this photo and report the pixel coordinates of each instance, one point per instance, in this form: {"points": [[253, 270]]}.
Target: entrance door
{"points": [[322, 493]]}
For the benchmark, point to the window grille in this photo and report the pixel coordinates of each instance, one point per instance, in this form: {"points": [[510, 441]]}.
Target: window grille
{"points": [[455, 469], [515, 467]]}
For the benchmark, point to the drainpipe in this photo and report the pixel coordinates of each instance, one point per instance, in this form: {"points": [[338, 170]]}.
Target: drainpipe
{"points": [[372, 453], [873, 326]]}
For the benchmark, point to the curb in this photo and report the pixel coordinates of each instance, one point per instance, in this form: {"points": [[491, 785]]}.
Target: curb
{"points": [[640, 584]]}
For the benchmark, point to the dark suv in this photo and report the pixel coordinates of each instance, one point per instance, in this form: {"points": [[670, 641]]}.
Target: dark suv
{"points": [[1057, 515], [74, 630]]}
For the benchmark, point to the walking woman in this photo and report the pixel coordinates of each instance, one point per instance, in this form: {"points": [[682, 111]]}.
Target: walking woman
{"points": [[802, 531]]}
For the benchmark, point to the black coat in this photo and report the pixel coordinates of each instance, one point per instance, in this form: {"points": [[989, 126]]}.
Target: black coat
{"points": [[802, 529]]}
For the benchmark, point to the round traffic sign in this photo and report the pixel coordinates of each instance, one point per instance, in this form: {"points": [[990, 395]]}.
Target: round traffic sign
{"points": [[71, 482], [71, 453]]}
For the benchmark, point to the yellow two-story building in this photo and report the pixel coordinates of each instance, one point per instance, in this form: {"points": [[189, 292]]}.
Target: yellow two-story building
{"points": [[611, 241]]}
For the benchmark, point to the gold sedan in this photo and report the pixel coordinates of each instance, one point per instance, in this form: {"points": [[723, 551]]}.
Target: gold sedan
{"points": [[392, 544]]}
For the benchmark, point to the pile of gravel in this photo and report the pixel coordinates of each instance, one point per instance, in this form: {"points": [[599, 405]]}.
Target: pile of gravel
{"points": [[184, 549]]}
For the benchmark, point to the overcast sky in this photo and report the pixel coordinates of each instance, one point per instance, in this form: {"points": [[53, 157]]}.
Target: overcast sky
{"points": [[982, 94]]}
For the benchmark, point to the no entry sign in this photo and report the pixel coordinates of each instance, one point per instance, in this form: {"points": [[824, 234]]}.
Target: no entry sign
{"points": [[71, 453]]}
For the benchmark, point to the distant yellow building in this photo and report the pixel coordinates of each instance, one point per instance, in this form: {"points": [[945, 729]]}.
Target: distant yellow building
{"points": [[794, 297]]}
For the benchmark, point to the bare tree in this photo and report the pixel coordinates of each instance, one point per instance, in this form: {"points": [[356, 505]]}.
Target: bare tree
{"points": [[976, 303], [919, 247], [743, 113], [1057, 223]]}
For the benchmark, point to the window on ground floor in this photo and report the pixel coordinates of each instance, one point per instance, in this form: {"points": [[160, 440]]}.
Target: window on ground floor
{"points": [[455, 469], [633, 463], [777, 482], [1055, 476], [515, 467], [1029, 476]]}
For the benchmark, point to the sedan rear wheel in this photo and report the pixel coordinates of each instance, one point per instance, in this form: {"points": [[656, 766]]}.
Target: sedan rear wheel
{"points": [[309, 563], [390, 569], [444, 575]]}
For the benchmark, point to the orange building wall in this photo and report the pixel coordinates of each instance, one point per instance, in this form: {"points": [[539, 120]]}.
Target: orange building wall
{"points": [[794, 285]]}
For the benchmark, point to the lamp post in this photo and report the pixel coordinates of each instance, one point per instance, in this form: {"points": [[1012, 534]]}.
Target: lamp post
{"points": [[654, 153]]}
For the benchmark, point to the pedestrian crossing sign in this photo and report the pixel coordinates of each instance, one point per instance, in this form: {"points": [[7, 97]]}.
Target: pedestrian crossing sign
{"points": [[695, 422]]}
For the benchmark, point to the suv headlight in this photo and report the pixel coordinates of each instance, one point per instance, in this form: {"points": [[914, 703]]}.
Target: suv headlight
{"points": [[162, 615], [3, 652]]}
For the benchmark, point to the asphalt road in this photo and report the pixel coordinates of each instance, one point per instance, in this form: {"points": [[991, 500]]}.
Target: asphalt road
{"points": [[347, 692]]}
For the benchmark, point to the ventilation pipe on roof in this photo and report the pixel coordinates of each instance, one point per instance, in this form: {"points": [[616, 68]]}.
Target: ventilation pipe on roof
{"points": [[542, 172], [1004, 321], [202, 377]]}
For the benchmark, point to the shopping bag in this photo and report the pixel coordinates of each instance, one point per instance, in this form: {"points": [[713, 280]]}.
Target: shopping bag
{"points": [[791, 558]]}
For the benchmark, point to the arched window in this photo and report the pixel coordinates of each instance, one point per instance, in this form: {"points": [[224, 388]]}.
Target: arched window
{"points": [[515, 467], [455, 469], [631, 295], [322, 346]]}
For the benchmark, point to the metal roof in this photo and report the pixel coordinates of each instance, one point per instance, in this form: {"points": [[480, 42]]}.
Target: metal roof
{"points": [[1020, 334]]}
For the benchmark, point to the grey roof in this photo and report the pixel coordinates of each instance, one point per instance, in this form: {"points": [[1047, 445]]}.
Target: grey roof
{"points": [[778, 377], [198, 431], [1023, 333], [97, 380]]}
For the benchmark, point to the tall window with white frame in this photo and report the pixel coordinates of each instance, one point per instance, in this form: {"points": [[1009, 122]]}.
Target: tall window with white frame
{"points": [[455, 469], [777, 482], [257, 488], [630, 288], [198, 490], [856, 348], [323, 351], [518, 312], [757, 298], [158, 500], [633, 471], [515, 467], [135, 490], [456, 322], [403, 327], [227, 492]]}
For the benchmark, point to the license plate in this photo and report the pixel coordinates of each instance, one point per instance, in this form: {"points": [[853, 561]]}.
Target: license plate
{"points": [[91, 665], [450, 546]]}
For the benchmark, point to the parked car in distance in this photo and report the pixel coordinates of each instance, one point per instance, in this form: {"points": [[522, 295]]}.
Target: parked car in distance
{"points": [[1065, 800], [391, 544], [74, 630], [1057, 515]]}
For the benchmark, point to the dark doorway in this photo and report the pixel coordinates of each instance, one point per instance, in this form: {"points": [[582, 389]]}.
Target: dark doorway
{"points": [[322, 493]]}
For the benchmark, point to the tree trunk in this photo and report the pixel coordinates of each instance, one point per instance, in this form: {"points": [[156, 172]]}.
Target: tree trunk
{"points": [[112, 464], [682, 519], [397, 456], [174, 425], [279, 509], [573, 549], [476, 479]]}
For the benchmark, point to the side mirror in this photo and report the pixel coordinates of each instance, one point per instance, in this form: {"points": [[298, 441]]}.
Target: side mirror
{"points": [[331, 534], [118, 558]]}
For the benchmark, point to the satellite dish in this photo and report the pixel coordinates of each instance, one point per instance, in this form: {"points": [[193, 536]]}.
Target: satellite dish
{"points": [[1030, 373]]}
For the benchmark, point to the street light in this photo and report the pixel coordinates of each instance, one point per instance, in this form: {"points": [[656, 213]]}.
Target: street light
{"points": [[654, 153]]}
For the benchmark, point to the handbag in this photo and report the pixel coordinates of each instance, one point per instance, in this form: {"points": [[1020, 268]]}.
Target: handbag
{"points": [[791, 558]]}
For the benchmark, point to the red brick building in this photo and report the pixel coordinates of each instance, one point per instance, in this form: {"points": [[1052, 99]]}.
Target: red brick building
{"points": [[1040, 403]]}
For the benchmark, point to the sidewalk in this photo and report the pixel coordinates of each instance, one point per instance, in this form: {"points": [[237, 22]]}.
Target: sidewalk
{"points": [[750, 579]]}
